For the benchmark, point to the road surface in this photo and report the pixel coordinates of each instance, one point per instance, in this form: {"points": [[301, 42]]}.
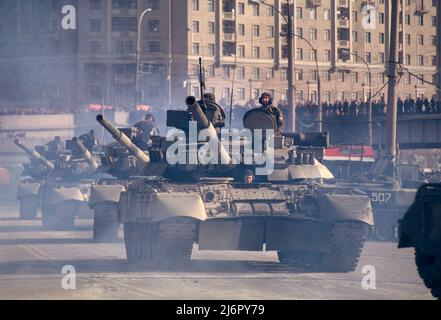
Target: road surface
{"points": [[31, 263]]}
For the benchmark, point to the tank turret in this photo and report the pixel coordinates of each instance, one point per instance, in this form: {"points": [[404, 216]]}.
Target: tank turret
{"points": [[34, 154], [86, 154], [204, 123], [122, 139]]}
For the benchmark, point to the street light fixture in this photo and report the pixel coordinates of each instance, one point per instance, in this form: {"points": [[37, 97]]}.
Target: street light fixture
{"points": [[138, 53], [369, 106]]}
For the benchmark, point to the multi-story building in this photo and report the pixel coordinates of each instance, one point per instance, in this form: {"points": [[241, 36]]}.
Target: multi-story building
{"points": [[242, 43]]}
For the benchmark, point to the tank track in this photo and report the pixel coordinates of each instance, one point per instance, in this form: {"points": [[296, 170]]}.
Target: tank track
{"points": [[345, 246], [105, 226], [167, 244], [429, 269]]}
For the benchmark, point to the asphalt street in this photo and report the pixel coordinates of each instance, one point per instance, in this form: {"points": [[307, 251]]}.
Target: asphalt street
{"points": [[32, 261]]}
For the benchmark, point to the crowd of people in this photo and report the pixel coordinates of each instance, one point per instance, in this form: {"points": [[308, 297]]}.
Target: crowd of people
{"points": [[310, 110]]}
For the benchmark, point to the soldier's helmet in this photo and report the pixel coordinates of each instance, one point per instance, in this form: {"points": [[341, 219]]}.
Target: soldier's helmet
{"points": [[266, 94], [208, 96]]}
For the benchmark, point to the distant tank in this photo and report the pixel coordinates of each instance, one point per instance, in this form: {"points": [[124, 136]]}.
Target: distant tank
{"points": [[57, 187], [28, 186], [354, 165], [421, 228], [166, 208]]}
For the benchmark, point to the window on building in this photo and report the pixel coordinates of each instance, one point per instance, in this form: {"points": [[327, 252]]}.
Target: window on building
{"points": [[270, 32], [368, 37], [211, 5], [327, 35], [299, 54], [241, 72], [196, 5], [420, 60], [327, 55], [368, 57], [256, 52], [327, 14], [381, 38], [313, 13], [433, 40], [421, 20], [241, 49], [381, 57], [241, 93], [195, 26], [256, 73], [153, 4], [408, 59], [241, 29], [256, 9], [211, 49], [299, 74], [354, 16], [299, 32], [269, 73], [312, 55], [196, 48], [125, 4], [124, 46], [95, 25], [312, 34], [299, 13], [256, 31], [284, 74], [211, 27], [355, 36], [241, 8], [433, 21], [407, 19], [154, 25], [270, 52], [154, 46], [120, 24], [381, 18], [95, 4], [408, 39], [420, 39], [95, 46]]}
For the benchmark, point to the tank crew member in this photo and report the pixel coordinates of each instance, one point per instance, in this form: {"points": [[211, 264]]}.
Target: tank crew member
{"points": [[54, 148], [213, 111], [266, 100], [89, 140], [146, 128]]}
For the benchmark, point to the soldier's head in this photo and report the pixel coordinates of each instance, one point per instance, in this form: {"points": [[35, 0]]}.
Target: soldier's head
{"points": [[209, 97], [248, 177], [92, 132], [266, 99], [150, 117], [57, 138]]}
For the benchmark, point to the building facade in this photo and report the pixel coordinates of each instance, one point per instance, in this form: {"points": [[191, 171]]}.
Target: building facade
{"points": [[243, 44]]}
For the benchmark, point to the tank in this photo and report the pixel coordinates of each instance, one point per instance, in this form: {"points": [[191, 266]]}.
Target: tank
{"points": [[59, 187], [228, 206], [420, 228], [29, 184], [354, 165]]}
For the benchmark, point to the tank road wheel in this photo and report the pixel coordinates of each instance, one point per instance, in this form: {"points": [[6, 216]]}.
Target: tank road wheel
{"points": [[384, 232], [429, 269], [29, 207], [165, 244], [105, 223], [345, 246]]}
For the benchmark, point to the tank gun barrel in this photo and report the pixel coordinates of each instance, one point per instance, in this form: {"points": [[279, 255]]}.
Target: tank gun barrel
{"points": [[34, 154], [203, 122], [123, 140], [86, 154]]}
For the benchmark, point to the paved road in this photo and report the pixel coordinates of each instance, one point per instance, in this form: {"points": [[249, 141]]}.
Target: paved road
{"points": [[31, 261]]}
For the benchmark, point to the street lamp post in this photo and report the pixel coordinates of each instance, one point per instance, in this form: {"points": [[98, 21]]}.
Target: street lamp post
{"points": [[138, 53], [291, 87], [369, 106]]}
